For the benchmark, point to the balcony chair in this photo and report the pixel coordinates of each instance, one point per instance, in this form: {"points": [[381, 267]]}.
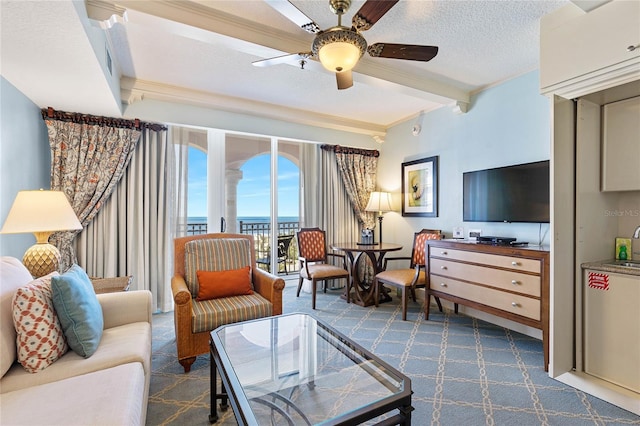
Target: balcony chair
{"points": [[284, 241], [411, 278], [314, 265], [211, 288]]}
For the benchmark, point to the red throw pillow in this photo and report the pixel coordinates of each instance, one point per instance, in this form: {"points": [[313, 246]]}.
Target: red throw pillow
{"points": [[216, 284]]}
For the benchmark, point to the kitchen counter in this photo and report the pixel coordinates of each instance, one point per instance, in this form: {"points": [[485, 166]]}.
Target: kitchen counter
{"points": [[609, 265]]}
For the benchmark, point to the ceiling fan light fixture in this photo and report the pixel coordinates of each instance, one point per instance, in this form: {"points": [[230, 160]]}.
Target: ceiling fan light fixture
{"points": [[339, 49]]}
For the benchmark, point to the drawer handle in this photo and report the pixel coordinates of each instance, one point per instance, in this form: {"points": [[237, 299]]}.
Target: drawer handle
{"points": [[515, 282], [515, 305], [444, 253], [443, 285], [443, 267], [514, 263]]}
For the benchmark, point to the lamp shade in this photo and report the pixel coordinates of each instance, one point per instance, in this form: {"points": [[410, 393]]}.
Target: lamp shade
{"points": [[339, 57], [40, 211], [379, 202], [339, 48]]}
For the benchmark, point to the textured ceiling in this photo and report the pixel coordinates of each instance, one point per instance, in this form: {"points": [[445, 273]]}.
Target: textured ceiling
{"points": [[207, 47]]}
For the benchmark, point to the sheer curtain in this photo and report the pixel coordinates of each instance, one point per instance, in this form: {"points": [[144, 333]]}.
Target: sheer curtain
{"points": [[133, 234], [326, 203]]}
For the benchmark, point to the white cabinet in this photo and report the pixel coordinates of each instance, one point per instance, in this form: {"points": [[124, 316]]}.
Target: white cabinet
{"points": [[585, 52], [621, 146], [612, 328]]}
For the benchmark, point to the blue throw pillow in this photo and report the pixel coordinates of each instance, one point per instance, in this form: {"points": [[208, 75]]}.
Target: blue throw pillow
{"points": [[78, 310]]}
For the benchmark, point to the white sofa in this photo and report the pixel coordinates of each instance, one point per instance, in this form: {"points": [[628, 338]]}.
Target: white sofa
{"points": [[109, 388]]}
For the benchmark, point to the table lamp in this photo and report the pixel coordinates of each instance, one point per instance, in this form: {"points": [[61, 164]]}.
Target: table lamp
{"points": [[43, 213], [379, 202]]}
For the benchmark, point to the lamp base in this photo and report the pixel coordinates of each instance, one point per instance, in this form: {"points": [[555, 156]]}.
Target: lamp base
{"points": [[41, 259]]}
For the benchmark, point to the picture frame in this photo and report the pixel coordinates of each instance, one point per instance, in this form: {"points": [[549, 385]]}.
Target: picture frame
{"points": [[420, 187]]}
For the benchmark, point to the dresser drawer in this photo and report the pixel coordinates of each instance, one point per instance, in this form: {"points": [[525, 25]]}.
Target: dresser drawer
{"points": [[528, 265], [508, 302], [508, 280]]}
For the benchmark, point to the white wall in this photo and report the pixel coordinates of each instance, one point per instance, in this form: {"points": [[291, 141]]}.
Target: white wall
{"points": [[507, 124], [25, 159]]}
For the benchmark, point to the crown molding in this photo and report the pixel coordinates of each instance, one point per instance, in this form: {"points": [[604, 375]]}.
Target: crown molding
{"points": [[133, 90]]}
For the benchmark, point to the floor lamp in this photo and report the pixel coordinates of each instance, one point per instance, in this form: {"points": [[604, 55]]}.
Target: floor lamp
{"points": [[43, 213], [379, 202]]}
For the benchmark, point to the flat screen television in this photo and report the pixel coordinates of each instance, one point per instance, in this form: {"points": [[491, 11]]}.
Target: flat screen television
{"points": [[518, 193]]}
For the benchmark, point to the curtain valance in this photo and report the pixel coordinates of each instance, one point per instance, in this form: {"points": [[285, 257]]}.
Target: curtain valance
{"points": [[349, 150], [120, 123]]}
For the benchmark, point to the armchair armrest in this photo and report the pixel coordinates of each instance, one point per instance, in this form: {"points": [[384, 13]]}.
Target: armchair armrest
{"points": [[386, 259], [125, 307], [270, 287], [341, 256], [181, 293]]}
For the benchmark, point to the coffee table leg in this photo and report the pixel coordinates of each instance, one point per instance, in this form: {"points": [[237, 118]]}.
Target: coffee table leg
{"points": [[405, 411], [213, 415]]}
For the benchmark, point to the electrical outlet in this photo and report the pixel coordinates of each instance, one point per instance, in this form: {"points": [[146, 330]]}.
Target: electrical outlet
{"points": [[458, 232], [474, 234]]}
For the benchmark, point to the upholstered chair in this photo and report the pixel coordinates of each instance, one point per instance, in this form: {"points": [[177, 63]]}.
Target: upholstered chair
{"points": [[314, 261], [213, 274], [412, 277]]}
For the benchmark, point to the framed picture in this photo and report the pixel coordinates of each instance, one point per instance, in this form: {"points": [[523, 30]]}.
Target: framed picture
{"points": [[420, 187]]}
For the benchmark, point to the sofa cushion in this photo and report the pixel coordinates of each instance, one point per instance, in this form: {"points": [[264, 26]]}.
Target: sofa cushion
{"points": [[13, 275], [119, 345], [78, 309], [40, 339], [216, 284], [211, 314], [214, 254], [114, 396]]}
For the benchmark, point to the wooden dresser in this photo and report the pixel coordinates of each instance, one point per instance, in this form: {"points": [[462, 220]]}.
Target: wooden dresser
{"points": [[508, 282]]}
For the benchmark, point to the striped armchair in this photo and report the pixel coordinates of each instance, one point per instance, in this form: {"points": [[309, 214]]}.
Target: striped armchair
{"points": [[194, 319]]}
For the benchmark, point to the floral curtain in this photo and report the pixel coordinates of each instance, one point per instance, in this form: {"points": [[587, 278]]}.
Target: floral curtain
{"points": [[358, 169], [89, 154]]}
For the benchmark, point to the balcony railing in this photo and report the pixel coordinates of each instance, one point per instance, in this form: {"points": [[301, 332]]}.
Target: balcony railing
{"points": [[261, 232]]}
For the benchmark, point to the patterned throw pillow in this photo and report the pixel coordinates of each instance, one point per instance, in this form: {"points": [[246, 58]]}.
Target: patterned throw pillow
{"points": [[40, 339]]}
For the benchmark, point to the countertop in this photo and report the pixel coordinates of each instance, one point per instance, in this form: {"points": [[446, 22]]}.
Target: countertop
{"points": [[608, 265]]}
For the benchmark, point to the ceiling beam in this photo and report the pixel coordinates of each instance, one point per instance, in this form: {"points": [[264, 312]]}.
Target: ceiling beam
{"points": [[249, 34]]}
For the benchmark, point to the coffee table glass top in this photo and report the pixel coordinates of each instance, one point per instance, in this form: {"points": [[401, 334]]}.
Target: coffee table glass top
{"points": [[305, 369]]}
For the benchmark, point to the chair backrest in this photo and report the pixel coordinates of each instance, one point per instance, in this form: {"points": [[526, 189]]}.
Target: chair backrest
{"points": [[179, 248], [419, 240], [312, 244]]}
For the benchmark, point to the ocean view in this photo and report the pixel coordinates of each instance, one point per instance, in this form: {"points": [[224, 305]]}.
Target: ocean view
{"points": [[247, 219]]}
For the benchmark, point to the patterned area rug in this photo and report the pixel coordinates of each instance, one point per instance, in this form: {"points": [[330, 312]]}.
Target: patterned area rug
{"points": [[463, 371]]}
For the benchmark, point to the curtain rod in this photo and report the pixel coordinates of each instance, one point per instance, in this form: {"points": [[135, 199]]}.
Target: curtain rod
{"points": [[75, 117], [350, 150]]}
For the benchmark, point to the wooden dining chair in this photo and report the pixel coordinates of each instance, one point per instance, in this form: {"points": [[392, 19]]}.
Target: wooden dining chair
{"points": [[314, 261], [412, 277]]}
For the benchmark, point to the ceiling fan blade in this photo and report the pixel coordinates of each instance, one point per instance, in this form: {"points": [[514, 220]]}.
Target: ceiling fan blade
{"points": [[411, 52], [344, 79], [295, 15], [284, 59], [370, 13]]}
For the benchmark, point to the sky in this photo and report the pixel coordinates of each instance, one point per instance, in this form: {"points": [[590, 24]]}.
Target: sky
{"points": [[253, 189]]}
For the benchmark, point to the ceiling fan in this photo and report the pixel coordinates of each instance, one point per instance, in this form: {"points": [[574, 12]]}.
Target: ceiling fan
{"points": [[340, 48]]}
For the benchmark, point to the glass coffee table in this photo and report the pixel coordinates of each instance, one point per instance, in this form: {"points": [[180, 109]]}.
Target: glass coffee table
{"points": [[294, 369]]}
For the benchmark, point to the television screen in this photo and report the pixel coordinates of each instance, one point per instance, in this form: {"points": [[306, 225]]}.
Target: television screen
{"points": [[517, 193]]}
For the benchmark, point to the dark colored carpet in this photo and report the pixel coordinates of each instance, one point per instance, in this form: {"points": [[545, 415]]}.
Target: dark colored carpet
{"points": [[463, 371]]}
